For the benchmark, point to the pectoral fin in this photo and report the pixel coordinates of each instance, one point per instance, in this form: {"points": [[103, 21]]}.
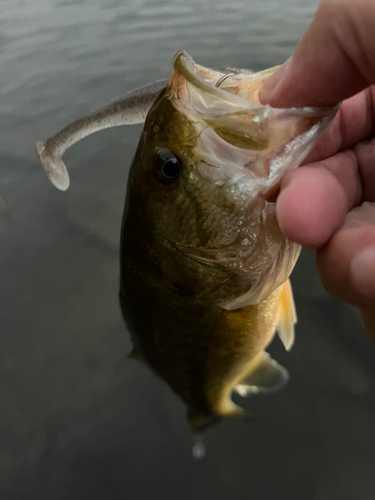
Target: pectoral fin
{"points": [[287, 316], [265, 375]]}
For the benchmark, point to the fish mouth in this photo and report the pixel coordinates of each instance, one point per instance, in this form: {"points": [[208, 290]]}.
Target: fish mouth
{"points": [[205, 79], [212, 95], [232, 85], [215, 81], [239, 139]]}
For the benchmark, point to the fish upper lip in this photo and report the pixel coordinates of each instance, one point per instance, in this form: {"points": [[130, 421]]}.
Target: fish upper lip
{"points": [[189, 69]]}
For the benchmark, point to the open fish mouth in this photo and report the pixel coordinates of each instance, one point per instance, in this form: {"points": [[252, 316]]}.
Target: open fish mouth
{"points": [[239, 139]]}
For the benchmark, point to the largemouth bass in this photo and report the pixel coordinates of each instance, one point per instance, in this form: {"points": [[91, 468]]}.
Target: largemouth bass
{"points": [[204, 266]]}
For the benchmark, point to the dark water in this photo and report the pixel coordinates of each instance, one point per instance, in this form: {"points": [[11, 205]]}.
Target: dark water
{"points": [[79, 420]]}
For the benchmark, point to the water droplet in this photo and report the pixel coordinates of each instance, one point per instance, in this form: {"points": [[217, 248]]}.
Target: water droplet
{"points": [[199, 451]]}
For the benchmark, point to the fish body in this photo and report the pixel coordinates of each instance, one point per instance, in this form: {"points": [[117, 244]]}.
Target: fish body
{"points": [[204, 265], [205, 268], [203, 351]]}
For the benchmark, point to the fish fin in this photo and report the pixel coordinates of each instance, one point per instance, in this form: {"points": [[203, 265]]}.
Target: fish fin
{"points": [[227, 408], [265, 375], [287, 316]]}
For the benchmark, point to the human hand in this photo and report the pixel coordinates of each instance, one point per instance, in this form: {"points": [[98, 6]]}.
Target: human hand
{"points": [[329, 203]]}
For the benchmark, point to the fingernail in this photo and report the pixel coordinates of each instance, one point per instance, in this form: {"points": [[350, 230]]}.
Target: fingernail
{"points": [[274, 81], [363, 272]]}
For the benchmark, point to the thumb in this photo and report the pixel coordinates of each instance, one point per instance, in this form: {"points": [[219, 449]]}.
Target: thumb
{"points": [[334, 60], [346, 265]]}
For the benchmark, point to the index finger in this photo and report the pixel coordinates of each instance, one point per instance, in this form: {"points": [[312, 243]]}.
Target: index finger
{"points": [[334, 60], [353, 123]]}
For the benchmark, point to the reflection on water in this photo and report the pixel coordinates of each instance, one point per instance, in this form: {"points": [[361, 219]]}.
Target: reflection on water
{"points": [[78, 419]]}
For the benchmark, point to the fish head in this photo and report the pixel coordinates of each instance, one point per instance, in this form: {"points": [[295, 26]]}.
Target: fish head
{"points": [[208, 161]]}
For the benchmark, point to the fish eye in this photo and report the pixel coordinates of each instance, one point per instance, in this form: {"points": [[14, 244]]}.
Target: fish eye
{"points": [[167, 166]]}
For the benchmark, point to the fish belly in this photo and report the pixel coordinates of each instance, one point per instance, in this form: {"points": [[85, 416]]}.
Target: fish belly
{"points": [[240, 339]]}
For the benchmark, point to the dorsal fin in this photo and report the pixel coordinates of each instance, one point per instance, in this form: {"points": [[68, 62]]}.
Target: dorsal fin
{"points": [[287, 316]]}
